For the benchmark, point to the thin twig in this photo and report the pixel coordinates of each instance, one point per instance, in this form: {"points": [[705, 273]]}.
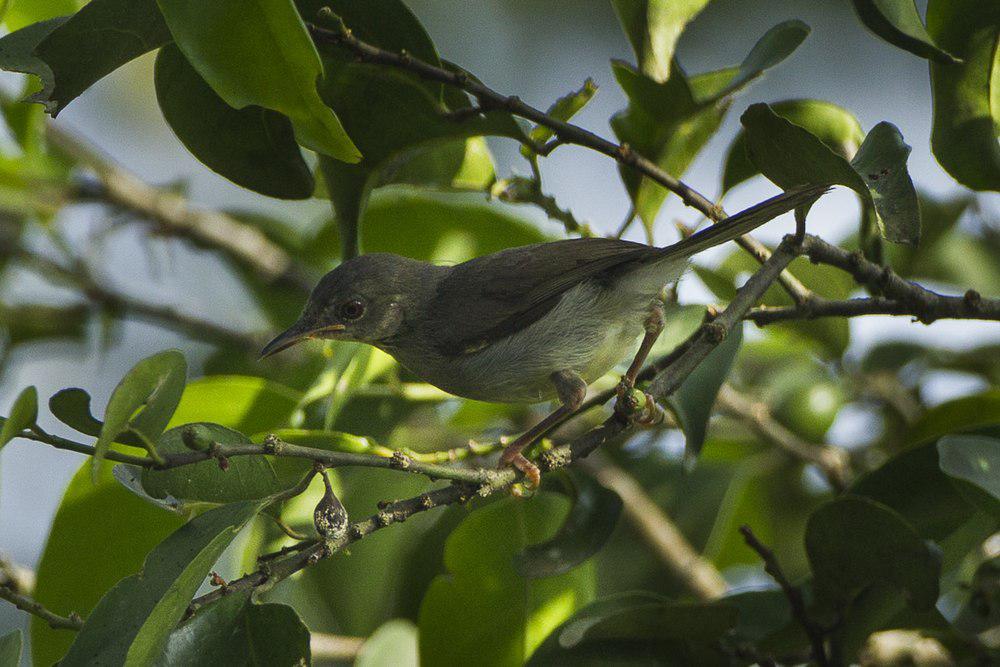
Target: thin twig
{"points": [[25, 603], [520, 190], [565, 132], [660, 532], [794, 595], [324, 646]]}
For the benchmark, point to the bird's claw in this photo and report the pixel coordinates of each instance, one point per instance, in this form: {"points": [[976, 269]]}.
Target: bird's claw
{"points": [[532, 475]]}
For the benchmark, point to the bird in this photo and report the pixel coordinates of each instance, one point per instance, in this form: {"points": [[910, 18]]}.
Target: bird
{"points": [[523, 325]]}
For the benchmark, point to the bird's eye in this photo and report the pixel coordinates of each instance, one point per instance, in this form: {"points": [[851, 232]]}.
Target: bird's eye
{"points": [[352, 310]]}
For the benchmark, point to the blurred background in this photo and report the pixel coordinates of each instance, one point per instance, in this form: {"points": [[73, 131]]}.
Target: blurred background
{"points": [[538, 50]]}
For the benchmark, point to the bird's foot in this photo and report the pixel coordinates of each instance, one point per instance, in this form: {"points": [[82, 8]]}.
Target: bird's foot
{"points": [[512, 457]]}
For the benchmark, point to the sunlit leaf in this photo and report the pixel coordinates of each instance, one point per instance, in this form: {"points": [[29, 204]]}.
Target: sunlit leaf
{"points": [[247, 404], [260, 54], [898, 22], [563, 109], [394, 644], [25, 12], [653, 28]]}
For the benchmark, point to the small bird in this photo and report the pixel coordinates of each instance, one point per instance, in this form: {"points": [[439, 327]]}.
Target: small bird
{"points": [[523, 325]]}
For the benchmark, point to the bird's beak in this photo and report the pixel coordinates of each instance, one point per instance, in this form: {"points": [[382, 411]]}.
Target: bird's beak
{"points": [[296, 334]]}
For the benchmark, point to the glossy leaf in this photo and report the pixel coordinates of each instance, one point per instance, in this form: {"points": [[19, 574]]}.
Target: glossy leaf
{"points": [[154, 385], [246, 478], [236, 631], [638, 625], [394, 644], [482, 610], [967, 96], [253, 147], [692, 402], [777, 44], [588, 526], [854, 543], [100, 38], [24, 13], [653, 28], [22, 415], [156, 597], [833, 125], [128, 529], [975, 459], [10, 648], [898, 22], [790, 155], [250, 405], [260, 54]]}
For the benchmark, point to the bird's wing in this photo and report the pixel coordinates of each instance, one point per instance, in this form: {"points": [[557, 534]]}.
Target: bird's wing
{"points": [[523, 284]]}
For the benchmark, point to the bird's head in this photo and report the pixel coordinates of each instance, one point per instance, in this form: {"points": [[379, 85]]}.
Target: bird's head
{"points": [[362, 300]]}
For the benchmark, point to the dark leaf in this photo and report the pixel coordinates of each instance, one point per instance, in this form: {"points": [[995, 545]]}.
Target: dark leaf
{"points": [[22, 415], [777, 44], [72, 407], [964, 134], [588, 526], [155, 385], [128, 528], [253, 147], [133, 621], [236, 631], [980, 614], [881, 161], [692, 402], [975, 460], [898, 22], [17, 52], [960, 415], [98, 39], [653, 28], [854, 543], [260, 54], [10, 648]]}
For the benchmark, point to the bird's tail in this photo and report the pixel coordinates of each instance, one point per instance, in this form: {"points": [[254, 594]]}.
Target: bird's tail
{"points": [[745, 221]]}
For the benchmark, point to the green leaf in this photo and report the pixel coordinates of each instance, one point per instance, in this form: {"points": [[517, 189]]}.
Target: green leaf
{"points": [[636, 625], [692, 402], [128, 528], [253, 147], [243, 403], [964, 414], [132, 623], [777, 44], [246, 478], [974, 459], [482, 612], [154, 385], [100, 38], [236, 631], [967, 96], [980, 614], [72, 407], [588, 526], [836, 127], [259, 53], [937, 511], [21, 13], [27, 323], [394, 644], [17, 51], [790, 155], [563, 109], [854, 543], [23, 414], [898, 22], [10, 648], [664, 123], [653, 28]]}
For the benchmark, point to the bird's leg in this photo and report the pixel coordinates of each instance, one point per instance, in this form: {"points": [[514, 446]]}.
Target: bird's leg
{"points": [[571, 390], [654, 326]]}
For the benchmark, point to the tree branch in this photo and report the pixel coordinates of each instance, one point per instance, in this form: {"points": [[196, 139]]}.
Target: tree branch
{"points": [[794, 595], [28, 604]]}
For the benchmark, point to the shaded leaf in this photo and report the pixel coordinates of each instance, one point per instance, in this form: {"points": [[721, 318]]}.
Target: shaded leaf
{"points": [[128, 528], [154, 385], [246, 478], [653, 28], [898, 22], [98, 39], [980, 614], [10, 648], [72, 407], [22, 415], [854, 543], [960, 415], [394, 644], [693, 401], [777, 44], [253, 147], [966, 96], [974, 459], [260, 54], [482, 610], [17, 52], [589, 524], [236, 631], [133, 621], [881, 161], [27, 323]]}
